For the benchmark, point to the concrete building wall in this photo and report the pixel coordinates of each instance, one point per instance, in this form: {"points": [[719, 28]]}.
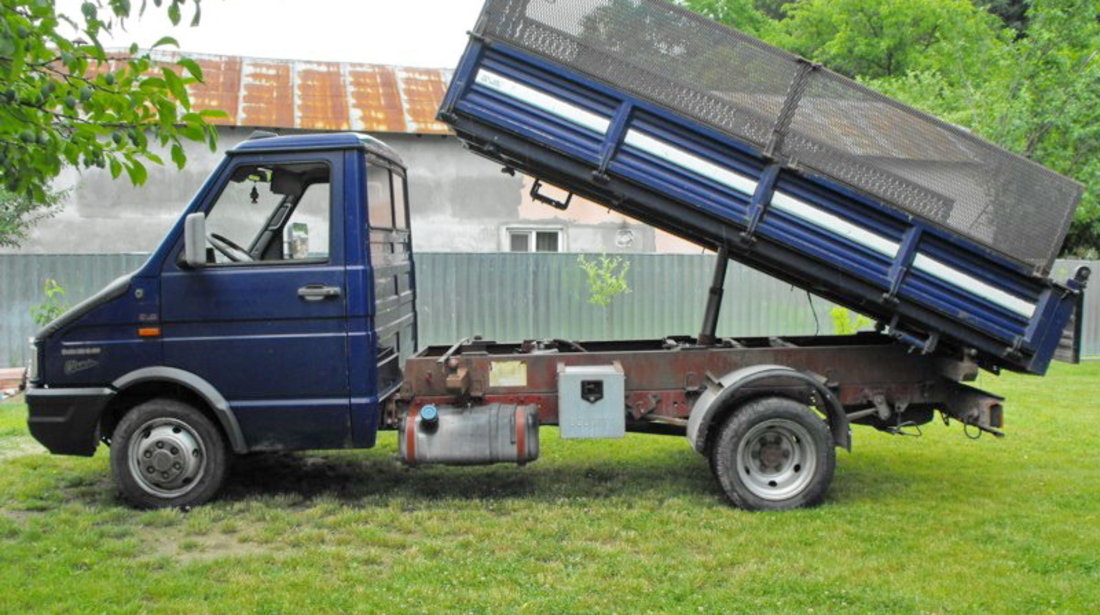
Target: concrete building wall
{"points": [[459, 203]]}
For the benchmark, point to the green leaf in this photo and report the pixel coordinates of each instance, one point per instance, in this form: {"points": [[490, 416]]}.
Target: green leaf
{"points": [[191, 132], [137, 172], [95, 50], [18, 59], [192, 67], [165, 41], [68, 20], [115, 166], [166, 113], [178, 156], [211, 114], [153, 83], [174, 13], [176, 87]]}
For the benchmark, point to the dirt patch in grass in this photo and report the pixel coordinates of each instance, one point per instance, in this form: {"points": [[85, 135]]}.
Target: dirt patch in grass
{"points": [[176, 545], [20, 516], [17, 447], [18, 398]]}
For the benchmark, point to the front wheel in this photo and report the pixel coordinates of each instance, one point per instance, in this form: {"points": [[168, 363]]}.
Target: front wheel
{"points": [[774, 454], [165, 453]]}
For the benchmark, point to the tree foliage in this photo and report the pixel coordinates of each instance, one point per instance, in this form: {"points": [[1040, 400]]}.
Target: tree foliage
{"points": [[1037, 95], [1012, 12], [883, 38], [745, 13], [18, 214], [1025, 75], [67, 100]]}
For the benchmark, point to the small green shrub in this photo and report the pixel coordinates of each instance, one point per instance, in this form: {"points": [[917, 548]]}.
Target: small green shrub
{"points": [[847, 322], [606, 278], [52, 307]]}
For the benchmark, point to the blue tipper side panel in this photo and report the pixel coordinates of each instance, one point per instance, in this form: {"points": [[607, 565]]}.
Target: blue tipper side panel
{"points": [[934, 288]]}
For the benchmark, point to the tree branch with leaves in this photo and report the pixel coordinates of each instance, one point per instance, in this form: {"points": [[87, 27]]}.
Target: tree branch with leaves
{"points": [[65, 100]]}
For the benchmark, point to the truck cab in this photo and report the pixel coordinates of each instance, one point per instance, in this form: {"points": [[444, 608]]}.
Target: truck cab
{"points": [[275, 315]]}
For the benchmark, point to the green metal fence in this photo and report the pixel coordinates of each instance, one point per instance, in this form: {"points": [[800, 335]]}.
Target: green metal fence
{"points": [[512, 297]]}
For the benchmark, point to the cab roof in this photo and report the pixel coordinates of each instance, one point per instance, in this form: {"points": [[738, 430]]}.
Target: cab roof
{"points": [[261, 142]]}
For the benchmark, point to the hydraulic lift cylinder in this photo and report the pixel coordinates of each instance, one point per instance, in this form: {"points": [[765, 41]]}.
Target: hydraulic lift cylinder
{"points": [[714, 299]]}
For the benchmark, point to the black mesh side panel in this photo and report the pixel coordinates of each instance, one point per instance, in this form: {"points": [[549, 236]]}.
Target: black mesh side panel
{"points": [[658, 52], [833, 126], [939, 172]]}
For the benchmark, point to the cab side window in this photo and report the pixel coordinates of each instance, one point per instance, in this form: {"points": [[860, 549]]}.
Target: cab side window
{"points": [[275, 213], [400, 214], [379, 198]]}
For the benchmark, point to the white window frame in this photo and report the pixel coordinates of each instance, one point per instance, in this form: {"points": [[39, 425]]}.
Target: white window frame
{"points": [[507, 232]]}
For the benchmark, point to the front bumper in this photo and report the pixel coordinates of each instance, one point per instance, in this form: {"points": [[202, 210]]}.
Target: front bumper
{"points": [[66, 421]]}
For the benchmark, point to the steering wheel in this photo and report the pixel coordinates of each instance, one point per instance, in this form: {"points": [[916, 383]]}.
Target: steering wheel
{"points": [[231, 250]]}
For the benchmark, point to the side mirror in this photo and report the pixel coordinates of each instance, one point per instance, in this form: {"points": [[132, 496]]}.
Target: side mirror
{"points": [[194, 240]]}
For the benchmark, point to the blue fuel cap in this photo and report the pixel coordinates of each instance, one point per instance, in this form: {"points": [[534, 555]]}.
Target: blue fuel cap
{"points": [[429, 414]]}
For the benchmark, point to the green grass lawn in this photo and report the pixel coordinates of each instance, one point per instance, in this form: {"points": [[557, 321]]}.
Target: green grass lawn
{"points": [[938, 524]]}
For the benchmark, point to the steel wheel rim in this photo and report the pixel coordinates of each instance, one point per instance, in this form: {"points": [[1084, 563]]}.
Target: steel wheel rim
{"points": [[166, 457], [776, 459]]}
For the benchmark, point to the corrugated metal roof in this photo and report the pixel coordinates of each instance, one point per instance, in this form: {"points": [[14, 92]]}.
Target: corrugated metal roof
{"points": [[265, 93]]}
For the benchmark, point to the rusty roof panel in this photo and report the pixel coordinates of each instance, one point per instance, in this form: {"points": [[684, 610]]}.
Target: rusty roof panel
{"points": [[221, 81], [267, 94], [220, 88], [321, 103], [422, 90], [375, 99], [263, 93]]}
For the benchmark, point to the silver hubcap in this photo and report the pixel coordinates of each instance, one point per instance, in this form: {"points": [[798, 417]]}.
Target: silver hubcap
{"points": [[166, 457], [776, 459]]}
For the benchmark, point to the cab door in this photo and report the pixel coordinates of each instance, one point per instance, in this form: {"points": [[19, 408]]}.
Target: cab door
{"points": [[265, 321]]}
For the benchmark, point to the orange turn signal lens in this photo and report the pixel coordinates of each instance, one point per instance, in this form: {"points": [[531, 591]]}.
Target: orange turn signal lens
{"points": [[149, 332]]}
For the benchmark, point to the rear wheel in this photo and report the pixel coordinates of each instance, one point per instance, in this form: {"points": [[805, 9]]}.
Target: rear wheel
{"points": [[774, 454], [165, 453]]}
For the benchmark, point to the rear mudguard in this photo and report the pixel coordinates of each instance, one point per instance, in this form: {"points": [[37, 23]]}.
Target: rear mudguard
{"points": [[718, 399]]}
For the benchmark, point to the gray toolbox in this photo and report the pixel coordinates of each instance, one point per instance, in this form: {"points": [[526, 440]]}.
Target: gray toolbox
{"points": [[592, 401]]}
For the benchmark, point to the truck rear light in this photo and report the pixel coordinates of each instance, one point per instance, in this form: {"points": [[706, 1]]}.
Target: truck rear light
{"points": [[149, 332]]}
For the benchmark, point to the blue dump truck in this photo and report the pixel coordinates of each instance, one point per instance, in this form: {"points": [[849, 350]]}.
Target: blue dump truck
{"points": [[279, 313]]}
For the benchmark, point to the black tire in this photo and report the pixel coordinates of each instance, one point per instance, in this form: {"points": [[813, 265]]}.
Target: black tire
{"points": [[182, 453], [774, 453]]}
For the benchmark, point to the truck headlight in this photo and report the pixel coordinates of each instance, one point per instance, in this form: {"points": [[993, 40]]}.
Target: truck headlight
{"points": [[32, 367]]}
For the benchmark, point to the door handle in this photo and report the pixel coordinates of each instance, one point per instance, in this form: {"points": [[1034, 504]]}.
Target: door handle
{"points": [[318, 292]]}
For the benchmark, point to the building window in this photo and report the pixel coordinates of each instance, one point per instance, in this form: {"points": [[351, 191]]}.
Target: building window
{"points": [[534, 240]]}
